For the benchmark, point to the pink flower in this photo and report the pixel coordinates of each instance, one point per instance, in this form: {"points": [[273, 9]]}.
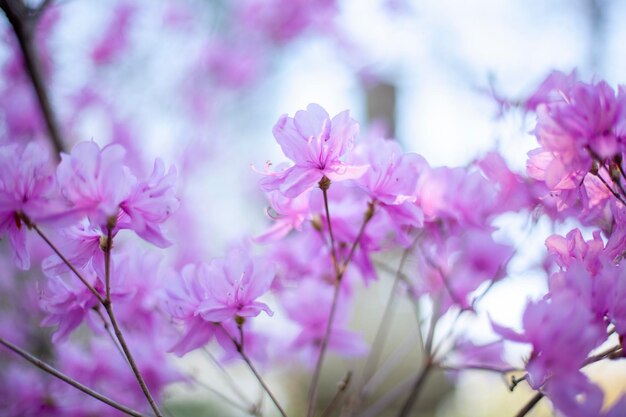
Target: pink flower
{"points": [[587, 115], [458, 195], [573, 247], [558, 349], [150, 203], [315, 144], [24, 393], [288, 214], [456, 267], [551, 89], [66, 303], [100, 363], [97, 184], [392, 175], [577, 123], [26, 184], [574, 395], [617, 409], [490, 355], [235, 283], [513, 191], [134, 279], [208, 295], [81, 246], [95, 181], [391, 180], [308, 305]]}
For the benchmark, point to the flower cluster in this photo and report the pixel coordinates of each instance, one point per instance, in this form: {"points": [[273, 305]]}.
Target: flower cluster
{"points": [[579, 168], [346, 209]]}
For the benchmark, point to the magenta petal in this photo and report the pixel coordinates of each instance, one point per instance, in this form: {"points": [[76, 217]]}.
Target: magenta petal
{"points": [[17, 238], [507, 333], [574, 395], [312, 122], [299, 179], [197, 334]]}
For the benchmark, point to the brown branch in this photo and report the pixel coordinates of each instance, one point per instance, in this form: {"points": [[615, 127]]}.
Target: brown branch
{"points": [[339, 270], [107, 328], [239, 347], [63, 258], [530, 405], [383, 327], [68, 380], [116, 327], [383, 403], [416, 389], [23, 20], [341, 388], [131, 360], [106, 302]]}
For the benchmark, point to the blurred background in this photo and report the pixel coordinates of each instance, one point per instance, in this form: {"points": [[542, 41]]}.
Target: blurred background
{"points": [[201, 84]]}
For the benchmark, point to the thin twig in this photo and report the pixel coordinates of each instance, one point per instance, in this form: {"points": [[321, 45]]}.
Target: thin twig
{"points": [[24, 20], [256, 373], [108, 330], [368, 216], [391, 362], [333, 250], [337, 284], [324, 184], [64, 259], [608, 187], [530, 405], [45, 4], [596, 172], [603, 355], [107, 262], [251, 410], [416, 389], [444, 279], [476, 368], [608, 353], [341, 388], [428, 344], [383, 327], [429, 364], [116, 327], [619, 166], [68, 380], [324, 345], [106, 302], [131, 360], [229, 380], [383, 403]]}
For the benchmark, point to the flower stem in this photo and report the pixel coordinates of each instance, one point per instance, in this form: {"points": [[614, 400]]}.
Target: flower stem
{"points": [[341, 388], [131, 360], [107, 328], [68, 380], [107, 263], [416, 389], [333, 250], [383, 327], [23, 20], [320, 359], [339, 271], [246, 359], [530, 405], [64, 259], [116, 327]]}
